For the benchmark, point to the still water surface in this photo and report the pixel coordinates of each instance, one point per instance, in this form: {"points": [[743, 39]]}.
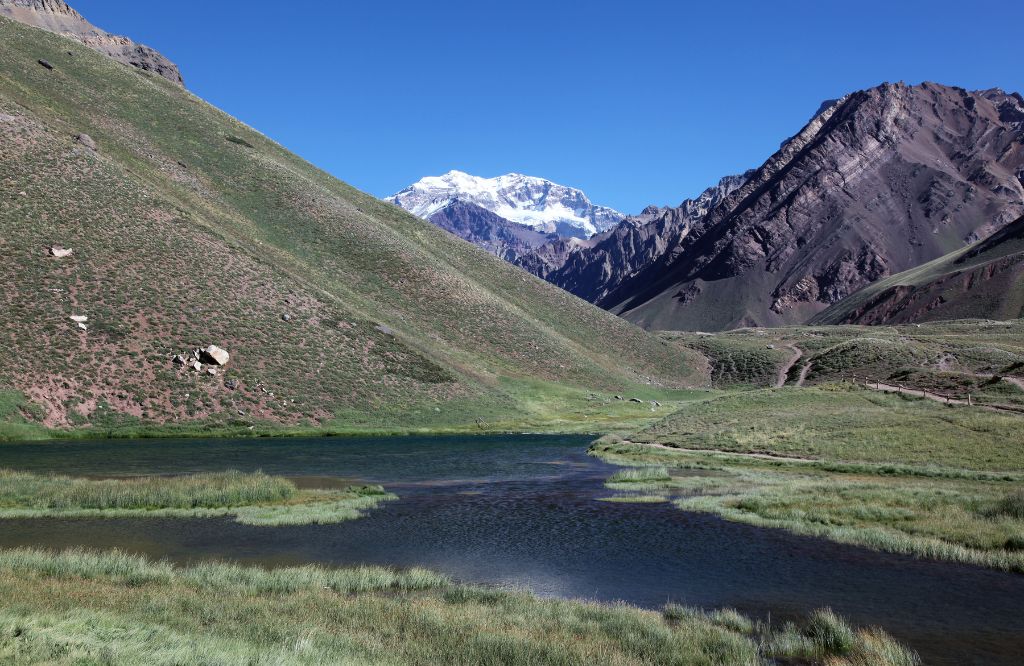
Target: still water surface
{"points": [[523, 511]]}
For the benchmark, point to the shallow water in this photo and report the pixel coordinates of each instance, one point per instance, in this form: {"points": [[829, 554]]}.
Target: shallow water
{"points": [[523, 511]]}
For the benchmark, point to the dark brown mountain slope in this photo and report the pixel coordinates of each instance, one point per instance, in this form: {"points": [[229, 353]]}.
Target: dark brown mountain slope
{"points": [[878, 182], [483, 228], [983, 281], [593, 268]]}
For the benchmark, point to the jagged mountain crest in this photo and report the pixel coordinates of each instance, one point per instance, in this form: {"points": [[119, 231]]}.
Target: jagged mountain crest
{"points": [[596, 267], [537, 203], [58, 17], [880, 181]]}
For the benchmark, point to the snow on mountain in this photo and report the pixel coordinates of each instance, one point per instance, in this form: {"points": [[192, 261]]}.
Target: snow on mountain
{"points": [[533, 202]]}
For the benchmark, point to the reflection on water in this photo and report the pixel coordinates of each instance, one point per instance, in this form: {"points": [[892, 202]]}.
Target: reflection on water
{"points": [[522, 511]]}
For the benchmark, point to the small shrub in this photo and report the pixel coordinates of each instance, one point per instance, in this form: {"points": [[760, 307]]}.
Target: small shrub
{"points": [[1012, 505], [238, 140]]}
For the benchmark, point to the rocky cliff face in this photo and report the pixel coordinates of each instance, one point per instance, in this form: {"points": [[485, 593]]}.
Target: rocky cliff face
{"points": [[594, 268], [983, 281], [56, 16], [485, 229], [878, 182]]}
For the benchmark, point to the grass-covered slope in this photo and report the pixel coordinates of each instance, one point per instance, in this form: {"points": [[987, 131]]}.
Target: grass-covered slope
{"points": [[982, 281], [978, 358], [188, 229]]}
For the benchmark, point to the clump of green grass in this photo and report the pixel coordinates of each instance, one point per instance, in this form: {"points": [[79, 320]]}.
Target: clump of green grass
{"points": [[638, 480], [830, 633], [636, 499], [641, 475], [253, 499], [827, 638], [87, 607]]}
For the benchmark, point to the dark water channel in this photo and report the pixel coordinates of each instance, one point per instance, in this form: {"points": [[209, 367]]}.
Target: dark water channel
{"points": [[523, 511]]}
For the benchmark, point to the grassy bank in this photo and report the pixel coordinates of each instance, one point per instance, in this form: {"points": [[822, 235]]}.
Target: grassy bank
{"points": [[79, 607], [854, 466], [531, 407], [252, 499]]}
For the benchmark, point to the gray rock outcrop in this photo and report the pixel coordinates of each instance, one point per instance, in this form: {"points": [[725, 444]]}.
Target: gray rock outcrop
{"points": [[56, 16]]}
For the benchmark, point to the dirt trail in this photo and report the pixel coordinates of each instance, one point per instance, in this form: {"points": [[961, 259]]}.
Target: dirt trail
{"points": [[780, 378], [803, 373], [1016, 381]]}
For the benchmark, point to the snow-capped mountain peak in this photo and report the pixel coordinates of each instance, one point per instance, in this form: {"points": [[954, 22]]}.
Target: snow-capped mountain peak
{"points": [[534, 202]]}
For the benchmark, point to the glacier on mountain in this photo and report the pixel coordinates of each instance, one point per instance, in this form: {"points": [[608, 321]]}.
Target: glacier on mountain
{"points": [[533, 202]]}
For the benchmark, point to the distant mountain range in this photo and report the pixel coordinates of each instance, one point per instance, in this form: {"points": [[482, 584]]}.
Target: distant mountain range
{"points": [[597, 267], [545, 207]]}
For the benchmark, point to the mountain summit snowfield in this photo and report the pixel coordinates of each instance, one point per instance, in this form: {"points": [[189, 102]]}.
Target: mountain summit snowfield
{"points": [[533, 202]]}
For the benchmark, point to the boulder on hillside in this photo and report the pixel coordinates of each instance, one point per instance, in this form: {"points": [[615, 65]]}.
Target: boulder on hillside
{"points": [[86, 141], [45, 63], [215, 355], [60, 252]]}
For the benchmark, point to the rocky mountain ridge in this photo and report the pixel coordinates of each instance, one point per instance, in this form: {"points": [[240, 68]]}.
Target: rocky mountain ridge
{"points": [[491, 232], [593, 268], [58, 17], [982, 281], [876, 183]]}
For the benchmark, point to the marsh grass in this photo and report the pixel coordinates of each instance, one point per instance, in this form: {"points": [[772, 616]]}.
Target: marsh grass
{"points": [[641, 475], [85, 607], [636, 499], [866, 481], [253, 499]]}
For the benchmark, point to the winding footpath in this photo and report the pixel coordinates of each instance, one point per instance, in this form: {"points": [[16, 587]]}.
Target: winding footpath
{"points": [[780, 378]]}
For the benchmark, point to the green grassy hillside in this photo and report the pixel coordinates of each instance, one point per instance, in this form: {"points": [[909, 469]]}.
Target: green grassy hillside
{"points": [[982, 281], [189, 228], [983, 359]]}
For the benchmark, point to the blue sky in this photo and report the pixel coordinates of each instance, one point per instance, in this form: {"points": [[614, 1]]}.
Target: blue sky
{"points": [[634, 102]]}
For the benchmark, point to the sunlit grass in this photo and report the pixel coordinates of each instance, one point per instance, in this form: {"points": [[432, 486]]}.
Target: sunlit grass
{"points": [[84, 607], [869, 481]]}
